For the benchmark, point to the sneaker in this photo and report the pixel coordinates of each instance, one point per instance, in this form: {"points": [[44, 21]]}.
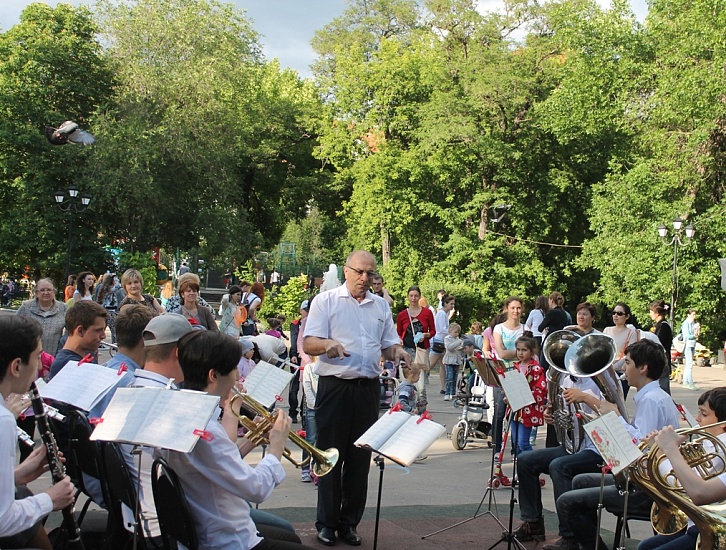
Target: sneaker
{"points": [[692, 387], [442, 392], [447, 397], [530, 531], [305, 477], [562, 543]]}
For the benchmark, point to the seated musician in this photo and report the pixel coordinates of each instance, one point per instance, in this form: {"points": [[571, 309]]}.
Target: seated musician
{"points": [[654, 408], [216, 480], [711, 409], [20, 520]]}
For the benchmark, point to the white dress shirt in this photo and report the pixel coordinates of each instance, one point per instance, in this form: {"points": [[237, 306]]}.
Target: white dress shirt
{"points": [[217, 483], [362, 328], [15, 515], [654, 410]]}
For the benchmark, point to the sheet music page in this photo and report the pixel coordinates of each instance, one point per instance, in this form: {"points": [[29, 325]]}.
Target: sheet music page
{"points": [[517, 390], [411, 439], [376, 436], [266, 382], [156, 417], [81, 385], [613, 441]]}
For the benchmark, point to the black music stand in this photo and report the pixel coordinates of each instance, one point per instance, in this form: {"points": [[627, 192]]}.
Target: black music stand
{"points": [[487, 369], [381, 466]]}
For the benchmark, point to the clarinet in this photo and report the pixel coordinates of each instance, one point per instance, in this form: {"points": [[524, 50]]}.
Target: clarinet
{"points": [[57, 470]]}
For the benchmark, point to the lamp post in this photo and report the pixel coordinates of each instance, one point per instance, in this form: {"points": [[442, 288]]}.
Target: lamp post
{"points": [[72, 204], [676, 241]]}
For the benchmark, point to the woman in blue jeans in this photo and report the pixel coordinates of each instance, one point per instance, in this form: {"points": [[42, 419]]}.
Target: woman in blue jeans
{"points": [[688, 330]]}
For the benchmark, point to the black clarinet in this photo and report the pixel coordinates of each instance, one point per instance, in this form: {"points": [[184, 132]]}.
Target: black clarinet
{"points": [[57, 470]]}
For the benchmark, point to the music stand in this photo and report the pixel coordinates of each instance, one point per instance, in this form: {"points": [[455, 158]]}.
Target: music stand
{"points": [[488, 371]]}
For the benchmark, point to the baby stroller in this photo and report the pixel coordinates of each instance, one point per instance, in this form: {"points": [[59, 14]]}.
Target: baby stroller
{"points": [[472, 425], [389, 384]]}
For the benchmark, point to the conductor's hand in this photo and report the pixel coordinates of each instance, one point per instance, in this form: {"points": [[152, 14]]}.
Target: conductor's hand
{"points": [[335, 350], [278, 434], [61, 493]]}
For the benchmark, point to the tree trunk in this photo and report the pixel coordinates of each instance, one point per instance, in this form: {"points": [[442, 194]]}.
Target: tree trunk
{"points": [[385, 244]]}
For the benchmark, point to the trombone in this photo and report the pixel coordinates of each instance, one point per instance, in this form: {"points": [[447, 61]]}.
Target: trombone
{"points": [[325, 461]]}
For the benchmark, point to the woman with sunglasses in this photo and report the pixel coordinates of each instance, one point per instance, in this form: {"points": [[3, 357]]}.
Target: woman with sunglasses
{"points": [[624, 334]]}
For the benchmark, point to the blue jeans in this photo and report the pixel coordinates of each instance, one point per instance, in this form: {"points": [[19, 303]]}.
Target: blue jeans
{"points": [[311, 433], [260, 517], [520, 435], [688, 365], [679, 541], [451, 372], [578, 508], [561, 467]]}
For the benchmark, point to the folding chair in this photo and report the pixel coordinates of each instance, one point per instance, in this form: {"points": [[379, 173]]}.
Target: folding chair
{"points": [[175, 519]]}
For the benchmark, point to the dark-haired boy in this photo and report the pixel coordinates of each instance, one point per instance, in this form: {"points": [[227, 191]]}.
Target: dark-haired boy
{"points": [[20, 349], [654, 409], [86, 329]]}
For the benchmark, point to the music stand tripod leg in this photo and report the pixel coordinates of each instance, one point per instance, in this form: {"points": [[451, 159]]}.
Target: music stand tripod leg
{"points": [[508, 536], [381, 466], [489, 491]]}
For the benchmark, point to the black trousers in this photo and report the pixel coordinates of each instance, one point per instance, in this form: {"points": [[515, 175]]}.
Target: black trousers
{"points": [[292, 394], [344, 410]]}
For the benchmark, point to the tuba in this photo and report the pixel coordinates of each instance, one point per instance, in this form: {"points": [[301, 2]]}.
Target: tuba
{"points": [[325, 461], [568, 427], [708, 463]]}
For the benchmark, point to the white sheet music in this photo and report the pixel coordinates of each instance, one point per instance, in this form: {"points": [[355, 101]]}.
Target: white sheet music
{"points": [[517, 390], [613, 441], [266, 382], [156, 417], [400, 436], [81, 385]]}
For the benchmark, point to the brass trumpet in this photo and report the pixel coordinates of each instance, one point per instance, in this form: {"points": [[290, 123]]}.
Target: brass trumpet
{"points": [[324, 460]]}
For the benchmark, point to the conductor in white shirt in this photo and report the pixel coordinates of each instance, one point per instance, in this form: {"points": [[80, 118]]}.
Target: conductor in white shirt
{"points": [[348, 328]]}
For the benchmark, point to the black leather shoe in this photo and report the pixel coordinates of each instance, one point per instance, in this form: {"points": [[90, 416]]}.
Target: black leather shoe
{"points": [[327, 536], [349, 536]]}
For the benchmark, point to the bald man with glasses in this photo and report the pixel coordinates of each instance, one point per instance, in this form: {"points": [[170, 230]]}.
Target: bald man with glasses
{"points": [[349, 328]]}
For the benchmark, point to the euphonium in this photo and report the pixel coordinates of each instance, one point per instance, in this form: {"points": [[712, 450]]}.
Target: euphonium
{"points": [[568, 427], [324, 460], [710, 518]]}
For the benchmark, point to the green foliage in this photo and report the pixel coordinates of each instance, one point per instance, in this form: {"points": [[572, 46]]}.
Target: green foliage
{"points": [[287, 301], [144, 264]]}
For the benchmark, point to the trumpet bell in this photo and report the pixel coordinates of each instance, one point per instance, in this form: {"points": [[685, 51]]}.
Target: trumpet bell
{"points": [[330, 457]]}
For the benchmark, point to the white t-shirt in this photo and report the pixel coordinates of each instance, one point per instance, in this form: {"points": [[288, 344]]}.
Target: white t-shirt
{"points": [[509, 337]]}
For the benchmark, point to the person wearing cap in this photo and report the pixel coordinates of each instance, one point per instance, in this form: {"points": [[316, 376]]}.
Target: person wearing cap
{"points": [[246, 363], [349, 328]]}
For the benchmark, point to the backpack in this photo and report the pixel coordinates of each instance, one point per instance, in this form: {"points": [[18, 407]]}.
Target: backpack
{"points": [[240, 315]]}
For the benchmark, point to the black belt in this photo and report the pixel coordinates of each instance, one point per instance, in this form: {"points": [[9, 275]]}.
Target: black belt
{"points": [[356, 381]]}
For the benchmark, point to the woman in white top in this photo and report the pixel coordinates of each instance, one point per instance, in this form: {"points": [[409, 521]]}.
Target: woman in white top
{"points": [[535, 318], [84, 287], [624, 334], [441, 322], [505, 335]]}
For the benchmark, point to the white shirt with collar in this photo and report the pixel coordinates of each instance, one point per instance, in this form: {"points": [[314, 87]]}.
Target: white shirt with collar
{"points": [[587, 385], [654, 410], [363, 328], [15, 515], [217, 483]]}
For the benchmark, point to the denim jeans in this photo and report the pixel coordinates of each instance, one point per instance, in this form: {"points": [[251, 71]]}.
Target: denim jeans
{"points": [[578, 508], [520, 436], [311, 432], [451, 372], [688, 365], [679, 541], [561, 467]]}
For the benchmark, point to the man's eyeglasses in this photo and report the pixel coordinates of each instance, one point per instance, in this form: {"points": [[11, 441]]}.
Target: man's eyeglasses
{"points": [[361, 272], [619, 313]]}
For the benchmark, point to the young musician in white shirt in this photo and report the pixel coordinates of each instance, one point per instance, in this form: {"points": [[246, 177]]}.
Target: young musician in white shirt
{"points": [[217, 482], [20, 349]]}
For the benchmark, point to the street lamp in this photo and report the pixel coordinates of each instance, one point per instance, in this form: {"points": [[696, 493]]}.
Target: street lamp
{"points": [[676, 241], [71, 205]]}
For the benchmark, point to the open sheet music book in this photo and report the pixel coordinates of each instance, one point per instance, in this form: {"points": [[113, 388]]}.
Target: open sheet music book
{"points": [[157, 417], [266, 382], [516, 388], [617, 448], [400, 436], [81, 385]]}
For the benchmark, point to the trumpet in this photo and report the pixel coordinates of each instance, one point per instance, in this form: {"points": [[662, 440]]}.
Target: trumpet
{"points": [[325, 461]]}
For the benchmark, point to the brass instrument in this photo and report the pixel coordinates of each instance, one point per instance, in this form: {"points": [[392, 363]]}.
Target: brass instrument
{"points": [[568, 427], [325, 461], [708, 464]]}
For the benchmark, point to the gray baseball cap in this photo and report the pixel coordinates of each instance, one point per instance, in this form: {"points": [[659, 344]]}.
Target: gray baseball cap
{"points": [[166, 329]]}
